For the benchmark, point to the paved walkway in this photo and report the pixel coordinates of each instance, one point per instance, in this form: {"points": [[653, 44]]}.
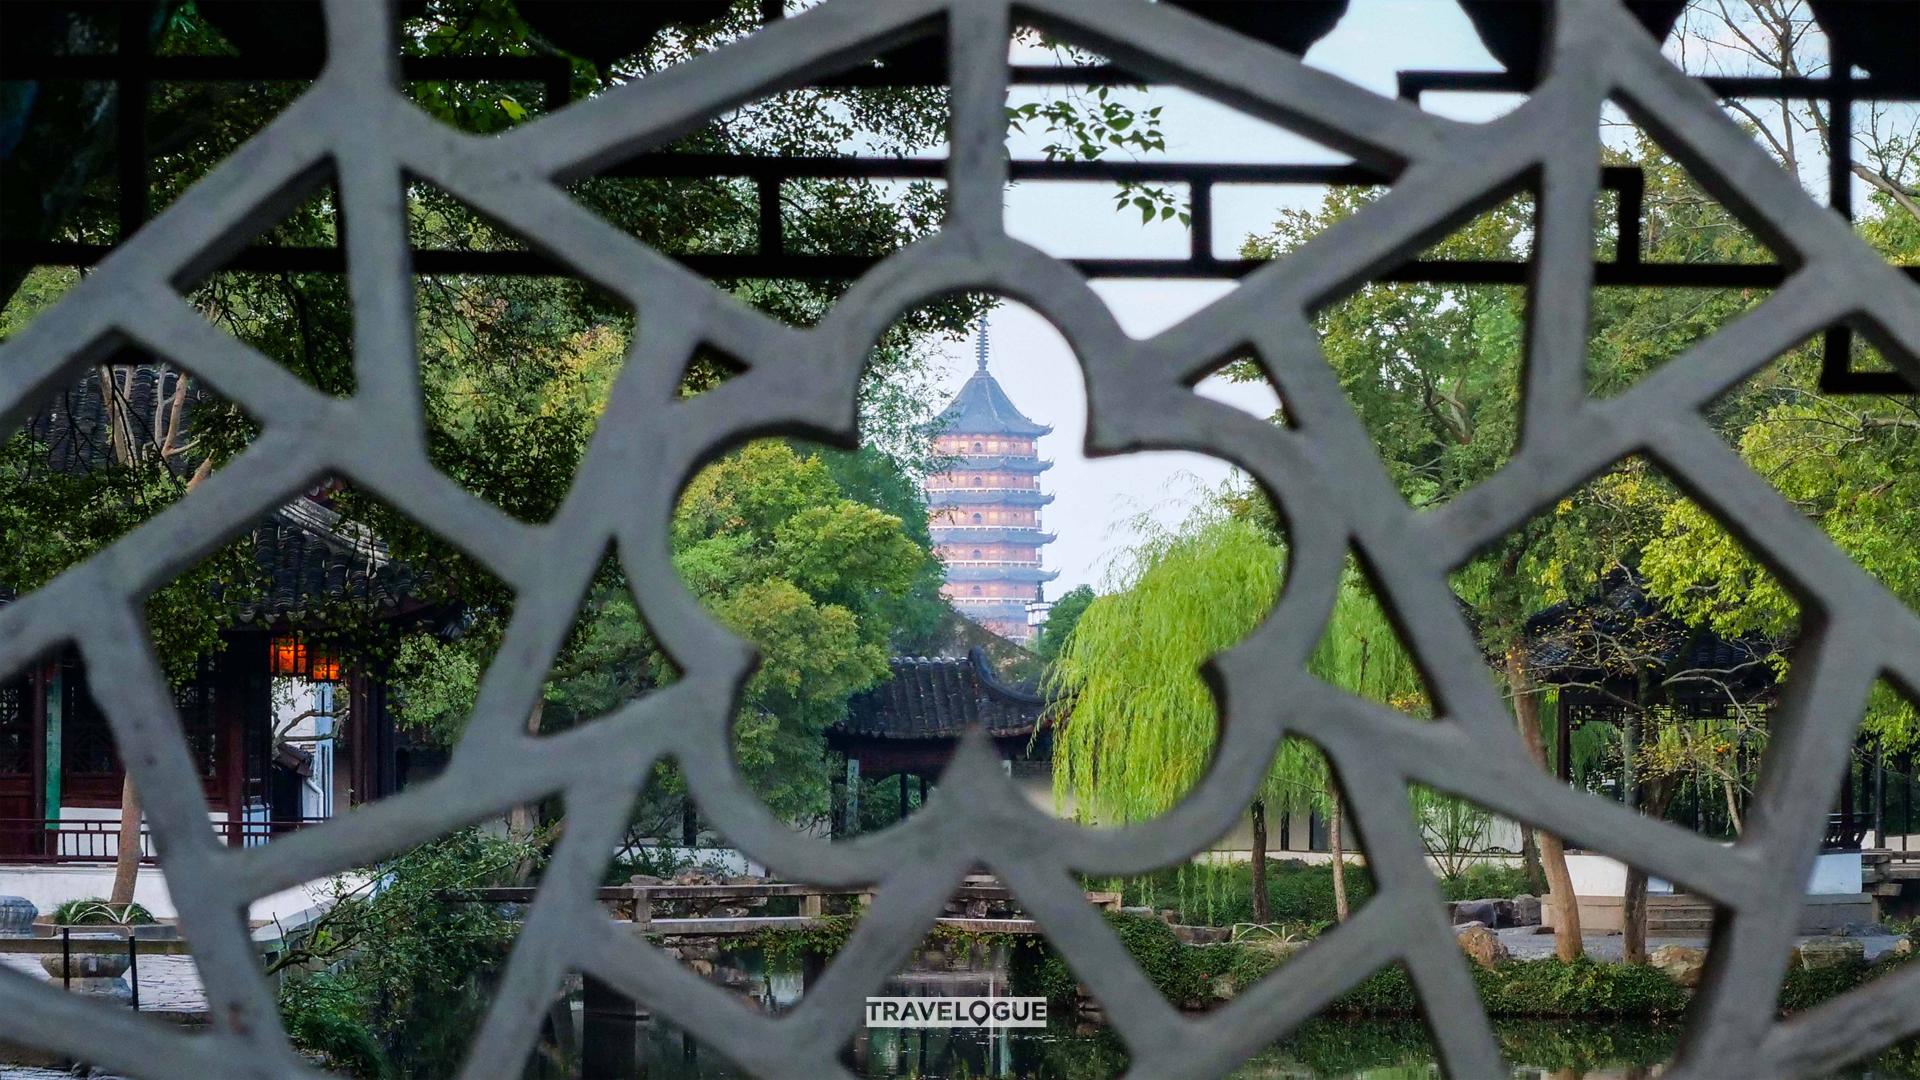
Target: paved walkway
{"points": [[168, 984], [1525, 944]]}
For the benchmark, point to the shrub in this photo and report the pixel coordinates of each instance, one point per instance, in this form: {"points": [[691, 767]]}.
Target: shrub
{"points": [[94, 911], [1221, 895], [1167, 961], [407, 957], [1035, 970], [327, 1016], [1803, 989], [1582, 988], [1181, 972], [1481, 881], [1387, 992]]}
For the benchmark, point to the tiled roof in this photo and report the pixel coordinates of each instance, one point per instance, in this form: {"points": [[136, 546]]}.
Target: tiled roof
{"points": [[303, 549], [73, 425], [305, 552], [982, 408], [1620, 626], [932, 697]]}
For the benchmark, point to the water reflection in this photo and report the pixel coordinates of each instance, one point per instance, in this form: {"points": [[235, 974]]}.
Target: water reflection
{"points": [[1374, 1049]]}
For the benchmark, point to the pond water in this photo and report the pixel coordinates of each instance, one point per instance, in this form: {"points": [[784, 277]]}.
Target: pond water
{"points": [[1376, 1049]]}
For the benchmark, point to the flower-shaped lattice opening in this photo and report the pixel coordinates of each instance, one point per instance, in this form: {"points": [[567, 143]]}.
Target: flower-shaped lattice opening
{"points": [[1323, 471]]}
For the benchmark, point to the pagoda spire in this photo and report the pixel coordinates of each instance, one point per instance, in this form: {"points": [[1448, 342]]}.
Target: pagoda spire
{"points": [[980, 344]]}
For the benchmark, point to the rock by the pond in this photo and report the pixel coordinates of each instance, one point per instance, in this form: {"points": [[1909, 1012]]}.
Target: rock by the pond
{"points": [[1526, 910], [16, 916], [1482, 946], [1822, 953], [1201, 935], [1472, 925], [1487, 912], [1862, 929], [1903, 947], [1682, 963]]}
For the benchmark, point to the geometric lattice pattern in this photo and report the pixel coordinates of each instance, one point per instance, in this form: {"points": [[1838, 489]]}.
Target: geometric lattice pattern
{"points": [[1324, 474]]}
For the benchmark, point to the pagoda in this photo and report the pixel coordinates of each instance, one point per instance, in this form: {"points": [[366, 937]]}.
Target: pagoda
{"points": [[985, 507]]}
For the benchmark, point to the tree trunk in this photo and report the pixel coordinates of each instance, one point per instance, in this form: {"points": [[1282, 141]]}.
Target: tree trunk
{"points": [[1260, 907], [1633, 917], [1633, 906], [524, 819], [126, 862], [1553, 854], [1530, 861], [1340, 910]]}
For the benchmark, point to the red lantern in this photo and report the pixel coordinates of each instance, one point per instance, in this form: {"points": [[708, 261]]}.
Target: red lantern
{"points": [[287, 656], [323, 665], [290, 656]]}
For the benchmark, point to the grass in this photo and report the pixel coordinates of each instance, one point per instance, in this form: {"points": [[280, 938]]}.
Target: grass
{"points": [[1547, 988], [1298, 893]]}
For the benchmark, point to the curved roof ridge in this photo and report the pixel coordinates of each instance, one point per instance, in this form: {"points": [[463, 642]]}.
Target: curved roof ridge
{"points": [[982, 407]]}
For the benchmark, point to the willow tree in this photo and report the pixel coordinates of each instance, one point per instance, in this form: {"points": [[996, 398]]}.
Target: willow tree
{"points": [[1143, 724]]}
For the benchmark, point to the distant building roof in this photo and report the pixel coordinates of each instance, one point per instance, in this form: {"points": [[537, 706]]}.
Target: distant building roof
{"points": [[306, 553], [304, 550], [1619, 630], [938, 697], [988, 534], [74, 427], [1002, 571], [999, 463], [982, 408], [987, 497]]}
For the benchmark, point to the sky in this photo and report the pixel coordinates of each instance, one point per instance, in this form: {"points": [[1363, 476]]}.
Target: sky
{"points": [[1374, 41], [1095, 499]]}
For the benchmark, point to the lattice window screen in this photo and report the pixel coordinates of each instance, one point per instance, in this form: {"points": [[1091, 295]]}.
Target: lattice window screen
{"points": [[1324, 473]]}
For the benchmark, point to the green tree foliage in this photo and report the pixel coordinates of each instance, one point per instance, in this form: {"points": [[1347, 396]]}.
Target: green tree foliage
{"points": [[1143, 724], [514, 370], [1850, 463], [776, 548], [1061, 620], [1432, 372], [399, 967]]}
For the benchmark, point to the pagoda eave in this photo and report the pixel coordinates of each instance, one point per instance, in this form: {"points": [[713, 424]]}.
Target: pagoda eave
{"points": [[1011, 572], [987, 497]]}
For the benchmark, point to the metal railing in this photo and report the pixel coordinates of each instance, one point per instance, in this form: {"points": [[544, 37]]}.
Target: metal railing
{"points": [[71, 840]]}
